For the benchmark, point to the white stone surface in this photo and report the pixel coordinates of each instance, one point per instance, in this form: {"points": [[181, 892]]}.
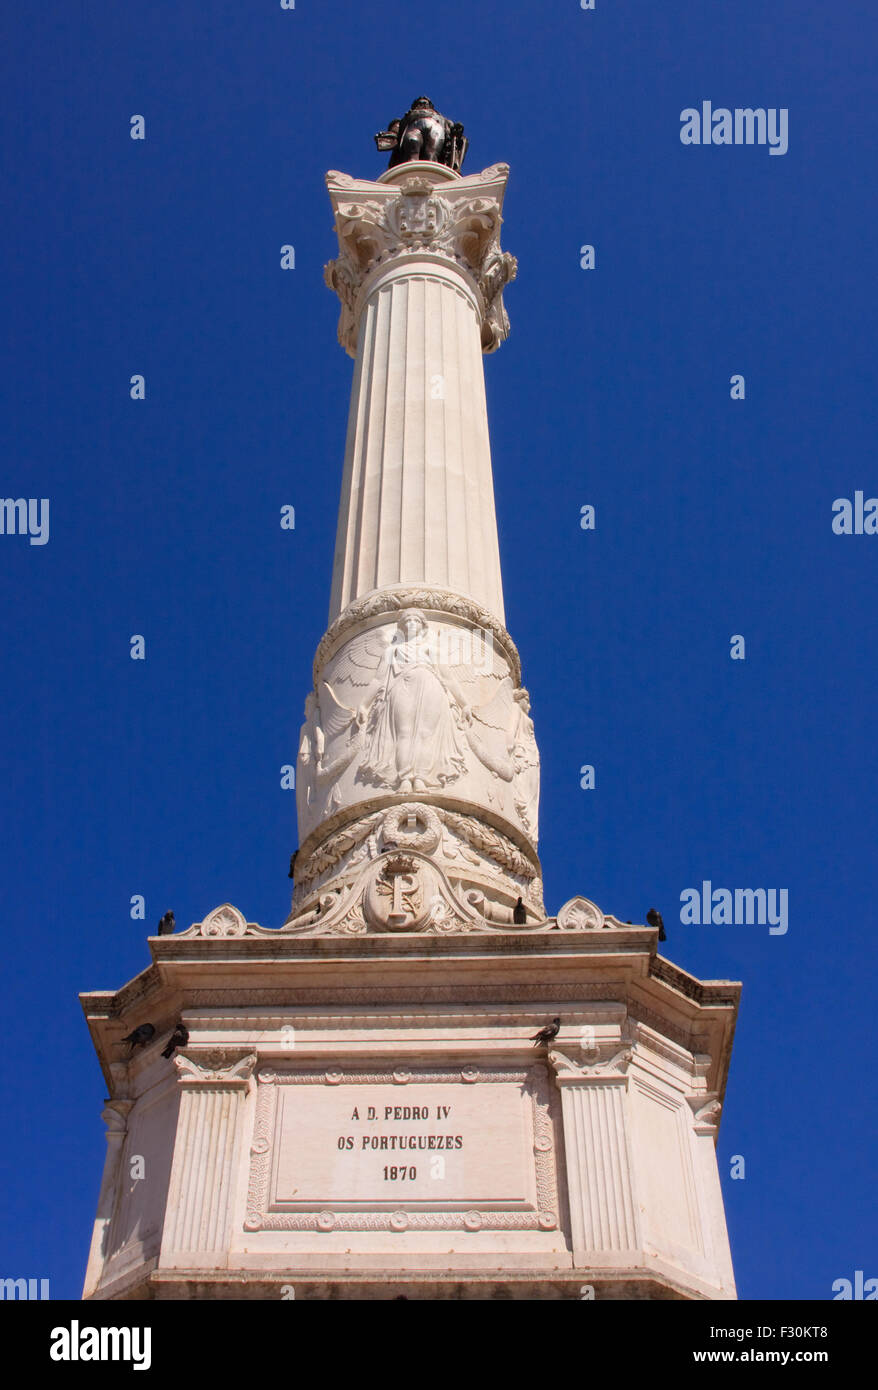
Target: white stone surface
{"points": [[418, 496], [420, 275], [592, 1162], [418, 704], [402, 980], [417, 685]]}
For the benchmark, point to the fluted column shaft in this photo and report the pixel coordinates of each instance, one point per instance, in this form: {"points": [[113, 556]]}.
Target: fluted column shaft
{"points": [[420, 276], [418, 495]]}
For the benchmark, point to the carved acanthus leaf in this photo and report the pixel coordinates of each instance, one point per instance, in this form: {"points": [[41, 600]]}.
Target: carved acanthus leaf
{"points": [[376, 223], [615, 1065]]}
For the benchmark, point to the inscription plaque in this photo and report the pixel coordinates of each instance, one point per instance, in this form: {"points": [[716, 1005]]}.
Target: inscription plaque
{"points": [[459, 1150], [345, 1146]]}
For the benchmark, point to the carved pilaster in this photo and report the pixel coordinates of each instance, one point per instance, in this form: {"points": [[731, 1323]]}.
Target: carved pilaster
{"points": [[115, 1116], [706, 1110], [603, 1216], [197, 1226]]}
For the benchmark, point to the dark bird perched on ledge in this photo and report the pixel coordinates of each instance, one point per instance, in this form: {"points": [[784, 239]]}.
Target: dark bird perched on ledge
{"points": [[167, 925], [178, 1038], [139, 1037], [547, 1034], [519, 913], [654, 919]]}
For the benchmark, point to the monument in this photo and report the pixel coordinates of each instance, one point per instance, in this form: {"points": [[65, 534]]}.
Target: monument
{"points": [[420, 1085]]}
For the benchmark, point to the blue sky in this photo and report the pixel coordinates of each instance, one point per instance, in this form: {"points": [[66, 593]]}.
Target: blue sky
{"points": [[713, 518]]}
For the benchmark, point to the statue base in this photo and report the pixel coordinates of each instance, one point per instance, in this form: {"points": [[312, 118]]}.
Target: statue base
{"points": [[367, 1120]]}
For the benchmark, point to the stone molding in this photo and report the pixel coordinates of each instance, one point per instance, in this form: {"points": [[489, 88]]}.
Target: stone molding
{"points": [[471, 847], [392, 601]]}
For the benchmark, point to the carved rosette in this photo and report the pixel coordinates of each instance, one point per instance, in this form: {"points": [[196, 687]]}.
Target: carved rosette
{"points": [[378, 223]]}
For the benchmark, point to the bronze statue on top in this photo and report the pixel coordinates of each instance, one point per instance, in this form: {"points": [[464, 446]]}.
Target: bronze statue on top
{"points": [[423, 133]]}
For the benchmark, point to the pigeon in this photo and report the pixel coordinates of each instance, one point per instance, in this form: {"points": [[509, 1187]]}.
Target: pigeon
{"points": [[178, 1038], [139, 1037], [547, 1034], [519, 913], [654, 919], [167, 924]]}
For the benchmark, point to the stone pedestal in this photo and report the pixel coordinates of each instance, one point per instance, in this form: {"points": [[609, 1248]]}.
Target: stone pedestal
{"points": [[364, 1116]]}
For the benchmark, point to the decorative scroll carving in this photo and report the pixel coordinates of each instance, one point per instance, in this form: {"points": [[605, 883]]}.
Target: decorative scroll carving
{"points": [[592, 1064], [223, 921], [212, 1068]]}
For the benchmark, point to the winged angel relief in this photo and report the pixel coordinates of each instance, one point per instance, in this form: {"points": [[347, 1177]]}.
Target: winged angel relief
{"points": [[410, 722]]}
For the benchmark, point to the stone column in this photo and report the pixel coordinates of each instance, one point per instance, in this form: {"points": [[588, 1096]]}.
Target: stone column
{"points": [[197, 1223], [420, 276], [603, 1213], [417, 731]]}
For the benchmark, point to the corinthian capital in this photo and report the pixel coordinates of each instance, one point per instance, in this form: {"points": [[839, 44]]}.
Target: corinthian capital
{"points": [[412, 217]]}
